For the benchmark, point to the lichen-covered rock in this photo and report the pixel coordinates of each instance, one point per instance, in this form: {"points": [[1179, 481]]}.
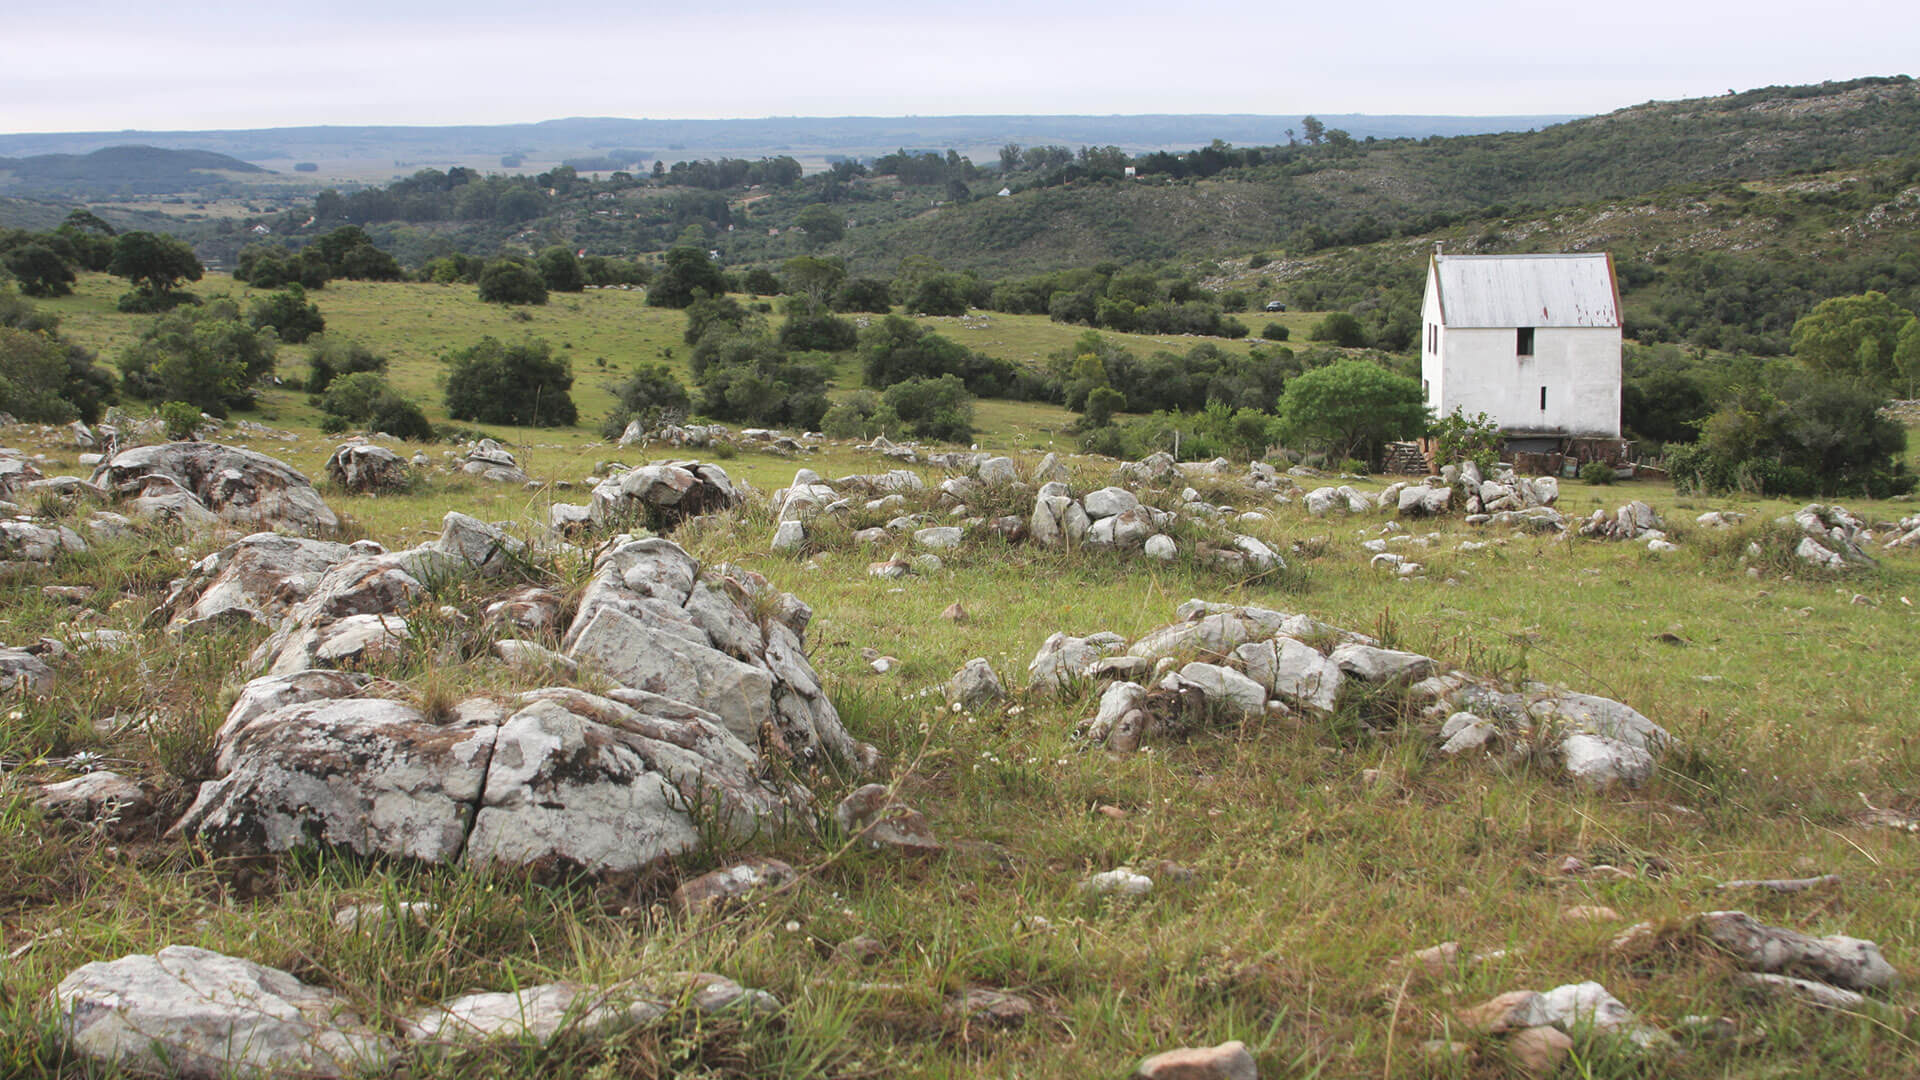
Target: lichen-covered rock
{"points": [[20, 669], [975, 685], [256, 579], [192, 1012], [536, 1013], [365, 467], [1853, 963], [237, 486], [663, 494], [32, 541]]}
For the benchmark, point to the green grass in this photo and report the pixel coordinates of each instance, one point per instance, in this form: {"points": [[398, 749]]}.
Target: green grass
{"points": [[1319, 852]]}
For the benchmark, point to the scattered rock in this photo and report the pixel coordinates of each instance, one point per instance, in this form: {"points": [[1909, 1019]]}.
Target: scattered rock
{"points": [[1121, 882], [95, 795], [191, 1012], [237, 486], [1228, 1061], [975, 685], [1847, 962], [731, 883], [989, 1008], [364, 467], [1540, 1050], [872, 816]]}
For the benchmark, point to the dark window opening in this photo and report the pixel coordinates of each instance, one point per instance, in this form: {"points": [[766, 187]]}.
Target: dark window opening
{"points": [[1543, 398], [1523, 341]]}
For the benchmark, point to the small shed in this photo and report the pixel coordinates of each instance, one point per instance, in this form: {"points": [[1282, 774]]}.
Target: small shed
{"points": [[1533, 341]]}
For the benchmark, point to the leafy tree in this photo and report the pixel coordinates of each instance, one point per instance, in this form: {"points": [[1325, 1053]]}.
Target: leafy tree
{"points": [[561, 270], [156, 266], [813, 279], [822, 224], [897, 348], [521, 384], [651, 395], [817, 333], [364, 398], [45, 378], [939, 294], [39, 270], [933, 408], [205, 356], [688, 271], [288, 314], [331, 357], [761, 281], [1853, 335], [1906, 355], [506, 281], [748, 377], [863, 294], [1797, 435], [1339, 328], [1101, 403], [1351, 408], [1313, 129], [709, 312]]}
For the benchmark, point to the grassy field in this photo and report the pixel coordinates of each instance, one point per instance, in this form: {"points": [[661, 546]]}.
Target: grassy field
{"points": [[1319, 851]]}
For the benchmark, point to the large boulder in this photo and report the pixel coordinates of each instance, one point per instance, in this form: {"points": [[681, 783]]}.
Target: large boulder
{"points": [[489, 461], [192, 1012], [32, 541], [365, 467], [237, 486], [663, 494]]}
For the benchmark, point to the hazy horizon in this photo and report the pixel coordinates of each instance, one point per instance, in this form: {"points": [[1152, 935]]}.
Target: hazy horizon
{"points": [[125, 66]]}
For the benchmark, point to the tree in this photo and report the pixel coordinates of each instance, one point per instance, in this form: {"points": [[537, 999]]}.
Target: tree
{"points": [[939, 294], [821, 223], [155, 265], [1102, 402], [1853, 335], [561, 270], [933, 408], [40, 270], [332, 357], [651, 395], [45, 378], [1906, 355], [1351, 408], [505, 281], [863, 294], [521, 384], [364, 398], [288, 314], [1340, 328], [814, 279], [688, 271], [1313, 129], [206, 356]]}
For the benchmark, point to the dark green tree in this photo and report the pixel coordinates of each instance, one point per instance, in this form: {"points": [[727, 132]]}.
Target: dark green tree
{"points": [[506, 281], [206, 356], [688, 271], [330, 357], [289, 314], [651, 395], [1352, 408], [523, 384], [39, 270], [561, 270], [822, 225], [156, 266]]}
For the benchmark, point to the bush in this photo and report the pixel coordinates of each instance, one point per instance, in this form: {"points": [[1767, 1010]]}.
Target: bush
{"points": [[507, 282], [151, 302], [863, 294], [363, 398], [1459, 437], [651, 395], [1258, 260], [860, 415], [933, 408], [1274, 331], [1804, 435], [748, 377], [523, 384], [560, 270], [334, 357], [182, 420], [288, 314], [1352, 408], [204, 356], [1339, 328], [1597, 473], [1233, 301], [818, 333]]}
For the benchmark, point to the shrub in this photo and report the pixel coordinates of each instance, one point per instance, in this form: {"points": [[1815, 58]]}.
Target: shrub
{"points": [[863, 294], [493, 383], [1233, 301], [181, 419], [365, 399], [1274, 331], [818, 333], [1806, 434], [204, 356], [1258, 260], [1597, 473], [330, 358], [933, 408], [1352, 408], [860, 415], [1339, 328], [651, 395], [288, 314], [507, 282], [1459, 437]]}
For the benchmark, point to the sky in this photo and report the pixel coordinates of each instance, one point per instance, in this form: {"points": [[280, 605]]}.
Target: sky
{"points": [[110, 66]]}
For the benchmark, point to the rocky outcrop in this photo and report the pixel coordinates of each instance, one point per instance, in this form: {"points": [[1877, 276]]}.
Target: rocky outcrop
{"points": [[227, 483], [490, 461], [256, 579]]}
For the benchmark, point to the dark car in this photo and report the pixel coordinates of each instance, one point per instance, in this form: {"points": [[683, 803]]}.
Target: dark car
{"points": [[1275, 305]]}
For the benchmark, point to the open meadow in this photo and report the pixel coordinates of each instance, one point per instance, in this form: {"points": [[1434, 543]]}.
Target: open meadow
{"points": [[1296, 855]]}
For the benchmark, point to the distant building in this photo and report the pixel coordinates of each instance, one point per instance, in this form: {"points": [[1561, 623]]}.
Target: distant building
{"points": [[1533, 341]]}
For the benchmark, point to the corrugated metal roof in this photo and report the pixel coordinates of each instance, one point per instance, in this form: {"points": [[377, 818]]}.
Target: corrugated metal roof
{"points": [[1527, 290]]}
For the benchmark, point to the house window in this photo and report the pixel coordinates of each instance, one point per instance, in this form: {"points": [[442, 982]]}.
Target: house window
{"points": [[1523, 341], [1543, 399], [1426, 389]]}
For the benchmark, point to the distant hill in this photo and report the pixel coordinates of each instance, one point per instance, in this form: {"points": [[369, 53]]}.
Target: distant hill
{"points": [[118, 170], [811, 139]]}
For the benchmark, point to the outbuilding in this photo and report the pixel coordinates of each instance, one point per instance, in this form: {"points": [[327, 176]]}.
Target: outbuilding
{"points": [[1532, 341]]}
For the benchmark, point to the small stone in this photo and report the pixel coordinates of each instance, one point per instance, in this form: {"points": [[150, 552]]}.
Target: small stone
{"points": [[731, 884], [954, 613], [1501, 1014], [1122, 882], [1228, 1061], [861, 950], [991, 1008], [1540, 1050], [1590, 913]]}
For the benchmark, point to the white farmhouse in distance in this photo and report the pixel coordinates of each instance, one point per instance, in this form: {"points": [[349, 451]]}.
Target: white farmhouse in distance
{"points": [[1533, 341]]}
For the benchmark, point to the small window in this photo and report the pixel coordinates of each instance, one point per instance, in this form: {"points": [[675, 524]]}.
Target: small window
{"points": [[1523, 341], [1543, 399], [1426, 389]]}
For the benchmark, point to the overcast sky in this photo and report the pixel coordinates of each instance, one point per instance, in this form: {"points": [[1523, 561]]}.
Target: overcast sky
{"points": [[115, 65]]}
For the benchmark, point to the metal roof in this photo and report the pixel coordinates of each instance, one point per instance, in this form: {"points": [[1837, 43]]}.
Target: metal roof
{"points": [[1526, 290]]}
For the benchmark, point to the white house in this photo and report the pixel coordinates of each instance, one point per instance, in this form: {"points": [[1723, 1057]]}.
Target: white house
{"points": [[1533, 341]]}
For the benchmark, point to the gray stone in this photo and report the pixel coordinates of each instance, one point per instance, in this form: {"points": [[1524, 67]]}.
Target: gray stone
{"points": [[22, 670], [634, 654], [257, 579], [535, 1013], [533, 657], [34, 542], [1160, 546], [238, 486], [1852, 963], [939, 538], [95, 795], [1108, 501], [1062, 659], [191, 1012], [482, 547], [1228, 1061], [732, 883], [998, 471], [364, 467], [1292, 671], [975, 685], [1371, 664], [1227, 689], [874, 817]]}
